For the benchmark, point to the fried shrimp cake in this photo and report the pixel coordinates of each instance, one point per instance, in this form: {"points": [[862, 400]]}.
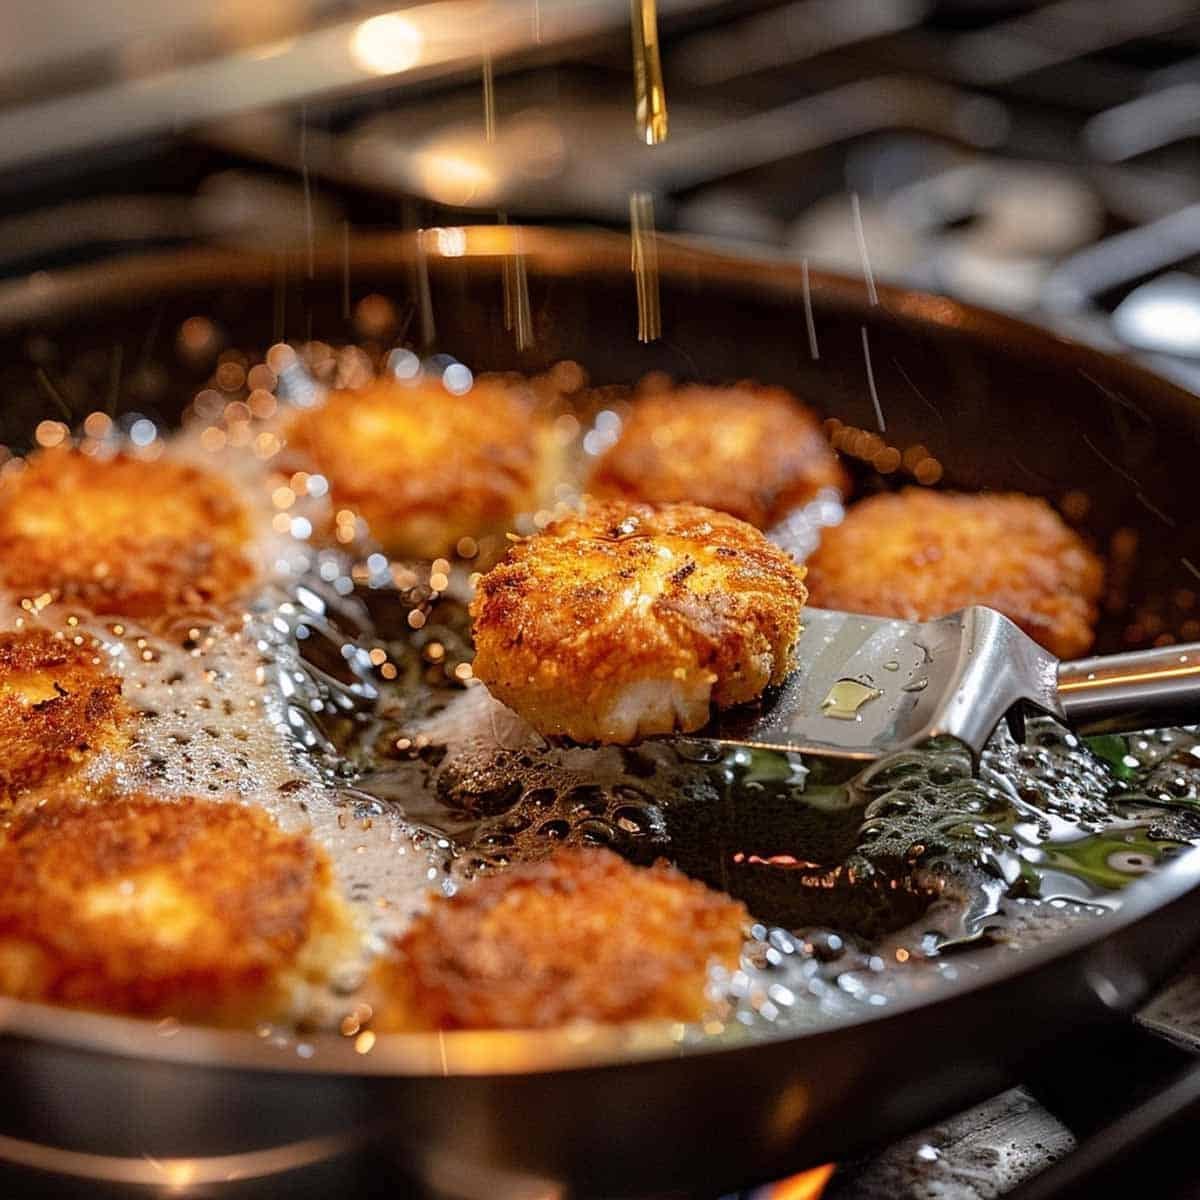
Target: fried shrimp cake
{"points": [[191, 908], [754, 452], [426, 467], [59, 706], [630, 620], [917, 555], [583, 936], [122, 536]]}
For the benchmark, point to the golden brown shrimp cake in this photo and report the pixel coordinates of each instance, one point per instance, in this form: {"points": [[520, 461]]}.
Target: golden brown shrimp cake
{"points": [[59, 707], [754, 452], [629, 620], [123, 536], [190, 908], [582, 936], [918, 555], [427, 468]]}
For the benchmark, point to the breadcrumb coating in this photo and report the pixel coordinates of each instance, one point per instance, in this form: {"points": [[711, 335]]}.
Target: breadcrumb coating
{"points": [[59, 706], [427, 468], [582, 936], [918, 555], [754, 452], [123, 536], [192, 908], [629, 620]]}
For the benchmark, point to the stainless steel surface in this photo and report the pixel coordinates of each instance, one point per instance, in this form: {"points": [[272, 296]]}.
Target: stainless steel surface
{"points": [[955, 677], [1145, 690]]}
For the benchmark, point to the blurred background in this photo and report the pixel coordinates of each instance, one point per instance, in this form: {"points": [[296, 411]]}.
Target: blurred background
{"points": [[1041, 158]]}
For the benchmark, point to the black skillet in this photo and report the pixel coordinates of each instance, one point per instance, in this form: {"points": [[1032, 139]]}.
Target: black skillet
{"points": [[1000, 405]]}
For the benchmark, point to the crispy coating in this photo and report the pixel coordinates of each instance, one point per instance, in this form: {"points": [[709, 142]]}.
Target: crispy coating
{"points": [[427, 468], [123, 536], [630, 620], [582, 936], [754, 452], [59, 706], [918, 554], [193, 908]]}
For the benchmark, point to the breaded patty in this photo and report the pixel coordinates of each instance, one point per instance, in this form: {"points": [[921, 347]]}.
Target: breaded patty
{"points": [[918, 554], [59, 705], [583, 936], [193, 908], [123, 536], [427, 468], [630, 620], [754, 452]]}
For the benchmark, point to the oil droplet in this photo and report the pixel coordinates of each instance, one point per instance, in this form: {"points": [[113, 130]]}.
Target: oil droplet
{"points": [[489, 99], [917, 685], [517, 313], [846, 697], [650, 97], [892, 665], [645, 266]]}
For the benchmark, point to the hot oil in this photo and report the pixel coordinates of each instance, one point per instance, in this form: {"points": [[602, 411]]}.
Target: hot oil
{"points": [[846, 698], [650, 97], [232, 711], [644, 264], [864, 890], [220, 716], [343, 703]]}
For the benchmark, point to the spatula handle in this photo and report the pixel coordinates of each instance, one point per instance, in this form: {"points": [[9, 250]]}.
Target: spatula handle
{"points": [[1146, 689]]}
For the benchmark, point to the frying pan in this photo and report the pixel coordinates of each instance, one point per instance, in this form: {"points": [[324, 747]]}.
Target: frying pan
{"points": [[614, 1111]]}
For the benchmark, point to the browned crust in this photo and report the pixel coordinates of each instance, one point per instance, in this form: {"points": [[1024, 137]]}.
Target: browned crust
{"points": [[557, 638], [246, 899], [918, 555], [76, 710], [122, 536], [583, 936], [426, 468], [755, 452]]}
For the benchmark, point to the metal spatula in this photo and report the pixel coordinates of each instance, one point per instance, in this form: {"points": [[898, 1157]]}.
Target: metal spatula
{"points": [[868, 686]]}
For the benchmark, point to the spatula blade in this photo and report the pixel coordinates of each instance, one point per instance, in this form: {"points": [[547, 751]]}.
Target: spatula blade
{"points": [[868, 686]]}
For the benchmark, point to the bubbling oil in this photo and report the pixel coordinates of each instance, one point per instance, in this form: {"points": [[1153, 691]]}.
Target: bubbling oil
{"points": [[225, 708], [342, 701], [228, 715], [867, 889], [864, 890]]}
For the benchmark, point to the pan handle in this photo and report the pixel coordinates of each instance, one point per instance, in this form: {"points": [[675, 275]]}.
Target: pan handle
{"points": [[1145, 689]]}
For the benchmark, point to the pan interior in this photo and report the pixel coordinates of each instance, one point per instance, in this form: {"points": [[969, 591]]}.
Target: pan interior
{"points": [[864, 890], [866, 893]]}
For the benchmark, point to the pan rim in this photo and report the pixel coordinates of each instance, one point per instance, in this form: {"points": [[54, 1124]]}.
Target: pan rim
{"points": [[43, 295]]}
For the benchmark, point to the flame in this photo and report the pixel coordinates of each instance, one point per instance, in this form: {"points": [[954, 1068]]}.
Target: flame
{"points": [[808, 1185]]}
